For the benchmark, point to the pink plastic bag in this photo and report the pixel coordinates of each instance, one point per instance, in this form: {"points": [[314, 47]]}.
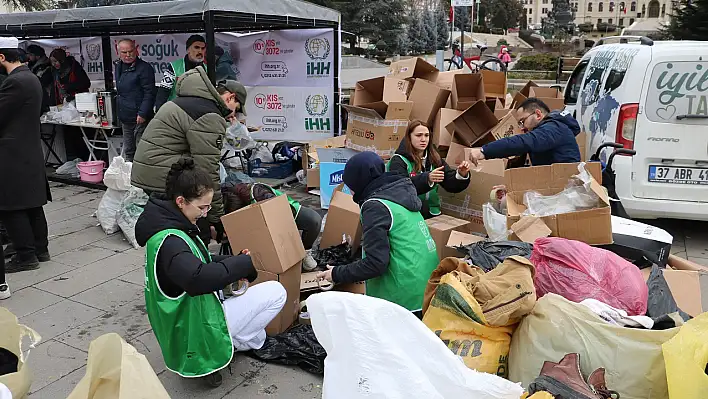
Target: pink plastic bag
{"points": [[578, 271]]}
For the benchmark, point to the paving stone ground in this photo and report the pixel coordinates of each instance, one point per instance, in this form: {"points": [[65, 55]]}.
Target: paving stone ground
{"points": [[93, 286]]}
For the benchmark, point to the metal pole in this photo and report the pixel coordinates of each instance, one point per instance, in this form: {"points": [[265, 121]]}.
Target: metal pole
{"points": [[107, 50], [462, 42], [452, 26], [337, 60], [210, 56]]}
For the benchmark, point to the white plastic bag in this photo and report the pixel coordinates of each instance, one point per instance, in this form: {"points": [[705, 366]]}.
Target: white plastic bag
{"points": [[70, 168], [238, 138], [68, 113], [117, 175], [222, 173], [577, 196], [109, 208], [494, 223], [130, 210], [379, 350]]}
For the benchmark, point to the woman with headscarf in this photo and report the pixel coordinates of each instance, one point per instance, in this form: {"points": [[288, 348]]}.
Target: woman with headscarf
{"points": [[70, 77]]}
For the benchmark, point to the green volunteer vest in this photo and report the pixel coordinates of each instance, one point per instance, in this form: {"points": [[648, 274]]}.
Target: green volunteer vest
{"points": [[413, 257], [431, 197], [178, 67], [192, 331], [294, 205]]}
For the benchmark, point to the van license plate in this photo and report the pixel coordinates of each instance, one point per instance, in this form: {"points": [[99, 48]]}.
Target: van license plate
{"points": [[674, 175]]}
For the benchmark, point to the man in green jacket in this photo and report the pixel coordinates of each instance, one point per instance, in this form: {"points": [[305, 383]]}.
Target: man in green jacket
{"points": [[196, 52], [192, 125]]}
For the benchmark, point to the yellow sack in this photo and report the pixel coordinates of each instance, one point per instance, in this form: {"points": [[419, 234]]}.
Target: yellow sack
{"points": [[685, 357], [455, 316], [11, 335], [115, 370]]}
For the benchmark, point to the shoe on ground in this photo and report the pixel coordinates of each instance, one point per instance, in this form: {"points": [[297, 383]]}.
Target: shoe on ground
{"points": [[309, 264], [9, 251], [44, 257], [4, 291], [16, 265]]}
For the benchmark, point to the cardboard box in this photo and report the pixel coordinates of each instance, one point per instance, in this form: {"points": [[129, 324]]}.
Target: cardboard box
{"points": [[467, 89], [440, 228], [290, 279], [446, 79], [332, 162], [529, 229], [312, 146], [552, 97], [268, 230], [313, 177], [508, 126], [367, 130], [593, 226], [690, 290], [581, 139], [501, 113], [443, 129], [495, 84], [522, 94], [467, 205], [428, 98], [342, 220], [495, 104], [474, 123], [377, 93], [413, 68], [458, 239]]}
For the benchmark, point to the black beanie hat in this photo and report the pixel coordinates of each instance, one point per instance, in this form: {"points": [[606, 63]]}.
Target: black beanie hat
{"points": [[195, 38]]}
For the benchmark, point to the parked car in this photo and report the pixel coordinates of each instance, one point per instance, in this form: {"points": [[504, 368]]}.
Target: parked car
{"points": [[651, 97]]}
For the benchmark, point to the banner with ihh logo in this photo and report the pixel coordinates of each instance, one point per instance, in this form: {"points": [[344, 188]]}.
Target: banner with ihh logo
{"points": [[292, 113]]}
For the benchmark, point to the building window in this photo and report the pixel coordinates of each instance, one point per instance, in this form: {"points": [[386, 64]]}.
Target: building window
{"points": [[633, 7], [590, 7], [530, 21], [663, 10], [644, 10], [544, 11], [631, 21], [544, 1], [599, 21], [599, 7], [612, 6], [609, 21], [530, 11], [621, 21]]}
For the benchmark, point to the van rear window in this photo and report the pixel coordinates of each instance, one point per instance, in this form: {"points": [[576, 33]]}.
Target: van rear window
{"points": [[678, 93]]}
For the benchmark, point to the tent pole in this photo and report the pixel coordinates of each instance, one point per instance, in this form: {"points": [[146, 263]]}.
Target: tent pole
{"points": [[210, 56], [107, 50], [338, 64]]}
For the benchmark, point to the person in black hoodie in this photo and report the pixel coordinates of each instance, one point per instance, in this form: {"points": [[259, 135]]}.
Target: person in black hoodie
{"points": [[201, 322], [399, 253], [418, 158], [70, 77]]}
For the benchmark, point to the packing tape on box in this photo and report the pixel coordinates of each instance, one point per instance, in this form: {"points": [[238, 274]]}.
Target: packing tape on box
{"points": [[379, 122], [362, 148]]}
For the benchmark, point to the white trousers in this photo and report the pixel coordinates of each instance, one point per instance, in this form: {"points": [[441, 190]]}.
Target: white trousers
{"points": [[248, 315]]}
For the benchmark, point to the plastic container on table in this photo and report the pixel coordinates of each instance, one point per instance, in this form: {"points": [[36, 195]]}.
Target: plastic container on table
{"points": [[91, 171]]}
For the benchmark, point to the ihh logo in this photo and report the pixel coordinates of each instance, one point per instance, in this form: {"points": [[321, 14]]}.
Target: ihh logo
{"points": [[317, 106], [318, 49], [336, 178]]}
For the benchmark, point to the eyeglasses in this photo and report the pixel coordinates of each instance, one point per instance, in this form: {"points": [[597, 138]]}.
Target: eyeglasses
{"points": [[522, 122], [203, 208]]}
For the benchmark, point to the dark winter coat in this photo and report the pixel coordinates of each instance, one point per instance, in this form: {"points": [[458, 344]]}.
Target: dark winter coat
{"points": [[44, 71], [192, 125], [135, 84], [451, 184], [369, 180], [24, 180], [224, 68], [552, 141], [178, 270], [69, 80]]}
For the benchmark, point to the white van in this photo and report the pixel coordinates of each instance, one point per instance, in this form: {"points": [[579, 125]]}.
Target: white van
{"points": [[651, 97]]}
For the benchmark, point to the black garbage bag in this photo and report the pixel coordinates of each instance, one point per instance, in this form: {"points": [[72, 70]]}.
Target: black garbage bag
{"points": [[488, 254], [333, 256], [8, 362], [661, 305], [297, 346]]}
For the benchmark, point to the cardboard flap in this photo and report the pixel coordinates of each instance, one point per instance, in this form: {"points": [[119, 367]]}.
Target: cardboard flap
{"points": [[600, 191], [459, 239], [413, 68], [526, 90], [445, 79], [545, 92], [336, 155], [399, 110], [530, 228], [466, 90], [495, 84], [364, 112]]}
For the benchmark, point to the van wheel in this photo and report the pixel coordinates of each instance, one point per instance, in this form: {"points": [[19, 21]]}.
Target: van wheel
{"points": [[214, 380]]}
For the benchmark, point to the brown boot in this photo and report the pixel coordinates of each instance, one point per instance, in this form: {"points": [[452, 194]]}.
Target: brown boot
{"points": [[565, 381]]}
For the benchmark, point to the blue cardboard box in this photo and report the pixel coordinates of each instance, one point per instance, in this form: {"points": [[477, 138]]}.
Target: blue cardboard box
{"points": [[332, 161]]}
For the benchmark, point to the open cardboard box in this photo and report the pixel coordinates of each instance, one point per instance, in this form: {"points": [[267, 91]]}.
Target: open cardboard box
{"points": [[367, 130], [552, 97], [592, 226], [332, 162], [413, 68], [377, 93], [310, 157], [495, 84], [427, 98], [523, 94], [446, 79], [474, 123], [508, 126], [443, 129], [467, 89], [441, 227], [458, 239], [290, 279], [342, 221]]}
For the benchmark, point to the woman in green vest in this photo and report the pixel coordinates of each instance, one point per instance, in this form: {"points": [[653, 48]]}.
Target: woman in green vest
{"points": [[418, 158], [398, 252], [196, 328]]}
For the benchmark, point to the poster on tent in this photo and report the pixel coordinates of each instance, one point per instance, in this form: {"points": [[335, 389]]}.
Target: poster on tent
{"points": [[290, 113], [87, 51]]}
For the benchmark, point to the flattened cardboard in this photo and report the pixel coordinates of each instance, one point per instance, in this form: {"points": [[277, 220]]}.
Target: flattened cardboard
{"points": [[474, 123], [530, 228], [440, 228], [367, 130], [591, 226], [467, 89], [377, 93], [442, 129], [458, 239], [290, 279], [272, 236], [495, 84], [342, 220], [689, 289], [428, 98], [413, 68]]}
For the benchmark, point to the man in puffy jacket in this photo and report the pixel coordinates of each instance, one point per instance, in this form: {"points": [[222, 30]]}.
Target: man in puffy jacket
{"points": [[135, 83], [549, 137], [192, 125]]}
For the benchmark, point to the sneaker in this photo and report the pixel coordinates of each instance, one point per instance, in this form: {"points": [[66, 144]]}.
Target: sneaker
{"points": [[16, 265], [309, 263], [44, 257], [4, 291]]}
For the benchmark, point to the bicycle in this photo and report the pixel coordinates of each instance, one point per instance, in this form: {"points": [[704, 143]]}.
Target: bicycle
{"points": [[457, 60]]}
